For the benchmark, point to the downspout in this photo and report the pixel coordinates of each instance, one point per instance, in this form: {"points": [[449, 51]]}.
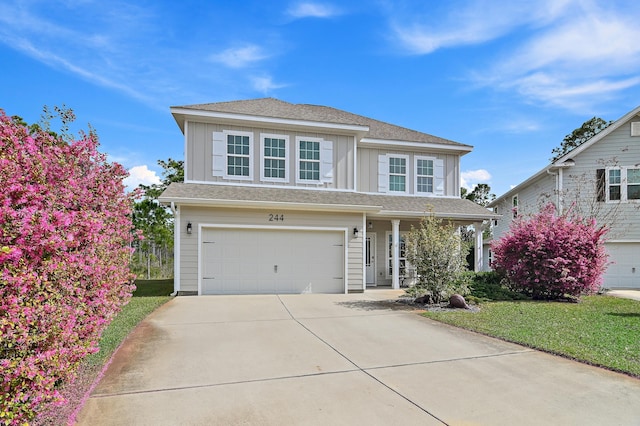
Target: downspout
{"points": [[176, 248], [558, 205]]}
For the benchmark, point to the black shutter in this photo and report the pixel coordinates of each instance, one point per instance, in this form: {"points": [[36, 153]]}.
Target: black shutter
{"points": [[600, 185]]}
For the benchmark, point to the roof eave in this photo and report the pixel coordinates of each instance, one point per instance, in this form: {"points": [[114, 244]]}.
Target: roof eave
{"points": [[180, 114], [185, 201], [459, 148]]}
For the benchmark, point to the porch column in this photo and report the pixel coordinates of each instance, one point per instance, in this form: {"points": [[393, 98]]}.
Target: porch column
{"points": [[479, 252], [395, 238]]}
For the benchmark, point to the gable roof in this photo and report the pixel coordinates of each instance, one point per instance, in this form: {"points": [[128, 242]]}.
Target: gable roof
{"points": [[238, 196], [277, 109], [567, 159]]}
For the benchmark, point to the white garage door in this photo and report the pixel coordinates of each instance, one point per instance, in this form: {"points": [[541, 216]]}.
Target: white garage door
{"points": [[250, 261], [624, 272]]}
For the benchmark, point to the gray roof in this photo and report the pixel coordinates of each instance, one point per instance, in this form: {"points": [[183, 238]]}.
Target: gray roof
{"points": [[328, 200], [275, 108]]}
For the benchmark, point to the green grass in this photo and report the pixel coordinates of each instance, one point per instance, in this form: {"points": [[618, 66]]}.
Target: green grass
{"points": [[600, 330], [149, 295]]}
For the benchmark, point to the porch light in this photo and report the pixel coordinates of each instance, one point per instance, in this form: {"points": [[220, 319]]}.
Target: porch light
{"points": [[189, 228], [355, 232], [370, 225]]}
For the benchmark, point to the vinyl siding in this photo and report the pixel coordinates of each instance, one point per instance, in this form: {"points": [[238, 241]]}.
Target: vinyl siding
{"points": [[199, 154], [617, 149], [253, 217]]}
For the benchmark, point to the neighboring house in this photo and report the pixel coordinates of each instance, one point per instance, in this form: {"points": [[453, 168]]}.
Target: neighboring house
{"points": [[286, 198], [599, 179]]}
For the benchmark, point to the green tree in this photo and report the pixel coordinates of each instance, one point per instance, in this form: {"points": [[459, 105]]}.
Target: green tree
{"points": [[154, 257], [481, 194], [438, 253], [589, 129]]}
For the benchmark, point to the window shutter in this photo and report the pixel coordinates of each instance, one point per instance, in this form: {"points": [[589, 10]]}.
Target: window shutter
{"points": [[600, 185], [438, 176], [219, 154], [326, 161], [383, 173]]}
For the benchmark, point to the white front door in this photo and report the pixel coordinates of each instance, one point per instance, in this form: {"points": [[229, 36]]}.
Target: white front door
{"points": [[370, 259]]}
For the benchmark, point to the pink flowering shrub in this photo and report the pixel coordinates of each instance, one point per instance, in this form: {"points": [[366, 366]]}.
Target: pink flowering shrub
{"points": [[549, 256], [65, 234]]}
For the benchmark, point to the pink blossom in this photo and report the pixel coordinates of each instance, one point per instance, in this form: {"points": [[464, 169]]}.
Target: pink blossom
{"points": [[65, 233]]}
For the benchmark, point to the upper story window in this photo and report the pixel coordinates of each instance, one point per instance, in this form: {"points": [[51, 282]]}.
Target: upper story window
{"points": [[514, 206], [309, 160], [402, 174], [314, 158], [238, 155], [622, 184], [233, 154], [275, 158], [424, 174], [398, 174]]}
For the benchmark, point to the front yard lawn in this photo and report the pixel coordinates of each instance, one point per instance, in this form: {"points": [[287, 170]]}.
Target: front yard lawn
{"points": [[600, 330]]}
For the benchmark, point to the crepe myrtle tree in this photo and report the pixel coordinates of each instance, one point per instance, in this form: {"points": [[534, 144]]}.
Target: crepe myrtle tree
{"points": [[551, 256], [438, 254], [65, 235]]}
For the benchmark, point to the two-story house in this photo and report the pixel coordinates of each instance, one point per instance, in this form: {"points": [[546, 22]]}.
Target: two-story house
{"points": [[291, 198], [599, 179]]}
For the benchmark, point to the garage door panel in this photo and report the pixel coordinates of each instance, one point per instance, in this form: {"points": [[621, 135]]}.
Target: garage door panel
{"points": [[249, 261], [624, 270]]}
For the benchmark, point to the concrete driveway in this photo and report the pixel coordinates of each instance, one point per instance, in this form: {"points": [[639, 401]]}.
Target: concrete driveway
{"points": [[340, 360]]}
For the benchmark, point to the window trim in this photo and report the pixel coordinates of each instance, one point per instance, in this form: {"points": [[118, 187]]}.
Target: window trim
{"points": [[319, 161], [226, 134], [406, 173], [624, 185], [416, 175], [515, 202], [263, 178]]}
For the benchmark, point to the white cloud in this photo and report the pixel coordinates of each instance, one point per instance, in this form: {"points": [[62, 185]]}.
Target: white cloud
{"points": [[141, 175], [467, 23], [265, 84], [240, 57], [312, 10], [586, 57], [471, 178]]}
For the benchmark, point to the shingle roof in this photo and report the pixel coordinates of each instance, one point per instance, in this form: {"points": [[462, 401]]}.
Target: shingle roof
{"points": [[275, 108], [376, 204]]}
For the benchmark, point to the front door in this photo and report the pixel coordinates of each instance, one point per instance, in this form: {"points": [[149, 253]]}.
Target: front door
{"points": [[370, 259]]}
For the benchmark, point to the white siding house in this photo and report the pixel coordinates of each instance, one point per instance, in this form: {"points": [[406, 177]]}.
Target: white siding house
{"points": [[599, 179]]}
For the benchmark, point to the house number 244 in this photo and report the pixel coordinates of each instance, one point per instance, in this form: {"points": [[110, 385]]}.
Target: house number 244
{"points": [[276, 218]]}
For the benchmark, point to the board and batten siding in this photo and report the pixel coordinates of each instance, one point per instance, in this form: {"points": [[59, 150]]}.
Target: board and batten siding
{"points": [[199, 155], [368, 169], [259, 217]]}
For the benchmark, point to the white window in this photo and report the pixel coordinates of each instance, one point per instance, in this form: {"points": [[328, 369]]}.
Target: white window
{"points": [[314, 158], [397, 173], [514, 206], [233, 155], [274, 166], [424, 182], [623, 184]]}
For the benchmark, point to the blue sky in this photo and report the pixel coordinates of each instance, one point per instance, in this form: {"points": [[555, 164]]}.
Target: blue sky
{"points": [[510, 78]]}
